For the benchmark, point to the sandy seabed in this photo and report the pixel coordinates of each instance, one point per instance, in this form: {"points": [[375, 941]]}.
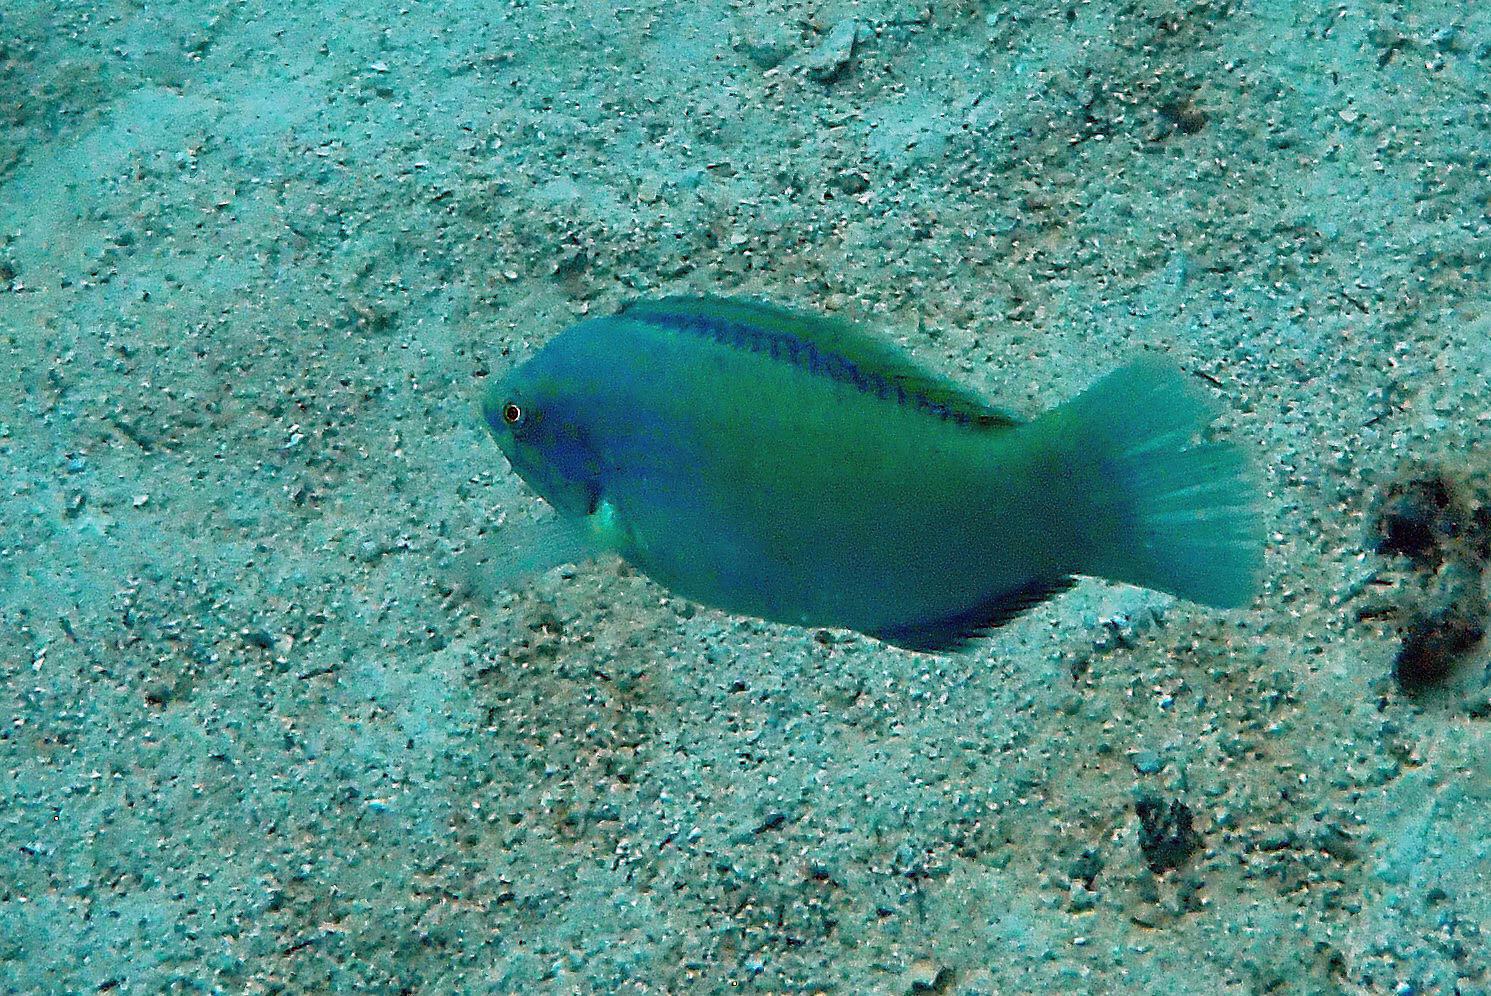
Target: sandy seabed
{"points": [[268, 725]]}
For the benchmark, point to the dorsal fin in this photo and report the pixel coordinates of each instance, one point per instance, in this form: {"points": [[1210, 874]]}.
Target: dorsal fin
{"points": [[837, 349]]}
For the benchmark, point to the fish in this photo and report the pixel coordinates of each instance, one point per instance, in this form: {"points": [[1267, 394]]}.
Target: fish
{"points": [[801, 469]]}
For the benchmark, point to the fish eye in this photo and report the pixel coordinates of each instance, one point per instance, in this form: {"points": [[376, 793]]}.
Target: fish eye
{"points": [[512, 414]]}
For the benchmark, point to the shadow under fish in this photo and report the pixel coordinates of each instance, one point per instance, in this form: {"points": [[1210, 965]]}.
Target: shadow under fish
{"points": [[796, 468]]}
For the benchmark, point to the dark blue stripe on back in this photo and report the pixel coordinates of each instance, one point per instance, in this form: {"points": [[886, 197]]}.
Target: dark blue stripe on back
{"points": [[788, 348]]}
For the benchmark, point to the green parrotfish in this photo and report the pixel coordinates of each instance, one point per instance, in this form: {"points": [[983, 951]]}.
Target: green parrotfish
{"points": [[798, 469]]}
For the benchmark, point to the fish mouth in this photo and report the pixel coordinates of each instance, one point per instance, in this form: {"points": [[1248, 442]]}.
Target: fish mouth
{"points": [[491, 413]]}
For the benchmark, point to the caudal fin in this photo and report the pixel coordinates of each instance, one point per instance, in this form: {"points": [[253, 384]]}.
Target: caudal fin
{"points": [[1162, 509]]}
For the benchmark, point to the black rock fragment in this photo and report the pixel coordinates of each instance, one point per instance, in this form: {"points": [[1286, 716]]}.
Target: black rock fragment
{"points": [[1429, 516], [1167, 836]]}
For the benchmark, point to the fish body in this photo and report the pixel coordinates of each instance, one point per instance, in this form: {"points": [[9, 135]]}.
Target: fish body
{"points": [[797, 469]]}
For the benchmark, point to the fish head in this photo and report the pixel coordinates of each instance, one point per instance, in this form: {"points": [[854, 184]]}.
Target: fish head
{"points": [[541, 424]]}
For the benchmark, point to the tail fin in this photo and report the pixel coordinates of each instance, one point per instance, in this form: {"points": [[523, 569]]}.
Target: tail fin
{"points": [[1161, 509]]}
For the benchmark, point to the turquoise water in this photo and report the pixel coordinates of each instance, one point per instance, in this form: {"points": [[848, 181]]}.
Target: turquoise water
{"points": [[271, 722]]}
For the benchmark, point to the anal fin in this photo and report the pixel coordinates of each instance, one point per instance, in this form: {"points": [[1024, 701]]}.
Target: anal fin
{"points": [[950, 633]]}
